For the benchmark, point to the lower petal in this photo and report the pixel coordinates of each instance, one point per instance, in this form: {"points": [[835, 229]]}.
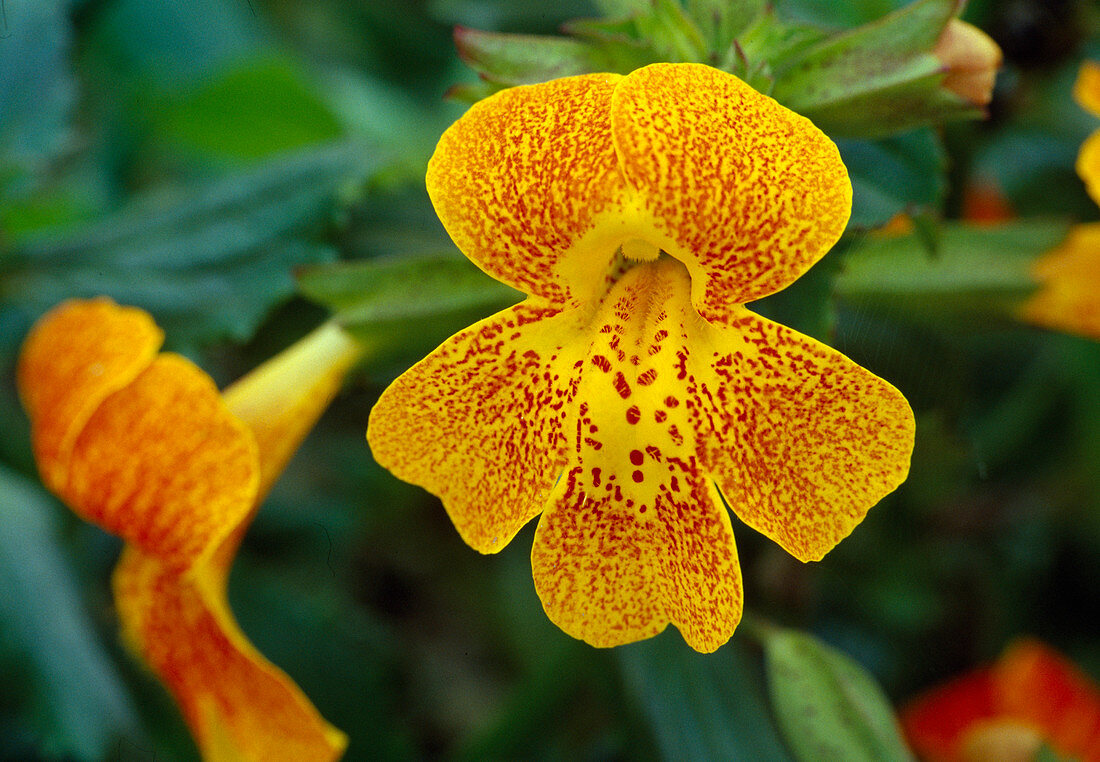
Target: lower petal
{"points": [[238, 705], [479, 421]]}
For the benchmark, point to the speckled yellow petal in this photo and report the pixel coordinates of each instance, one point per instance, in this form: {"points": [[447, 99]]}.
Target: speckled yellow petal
{"points": [[521, 179], [480, 421], [1069, 296], [1086, 90], [801, 440], [237, 704], [77, 355], [635, 535], [163, 464], [745, 192]]}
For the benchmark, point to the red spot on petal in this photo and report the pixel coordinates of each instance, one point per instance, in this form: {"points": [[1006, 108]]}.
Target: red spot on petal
{"points": [[660, 416], [621, 386], [638, 476], [647, 378], [633, 415], [636, 457], [602, 363], [671, 401], [595, 477]]}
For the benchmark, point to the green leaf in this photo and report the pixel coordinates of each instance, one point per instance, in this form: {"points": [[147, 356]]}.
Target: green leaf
{"points": [[828, 706], [702, 706], [522, 59], [977, 271], [37, 92], [877, 79], [899, 174], [399, 304], [722, 21], [209, 265], [256, 108], [84, 705]]}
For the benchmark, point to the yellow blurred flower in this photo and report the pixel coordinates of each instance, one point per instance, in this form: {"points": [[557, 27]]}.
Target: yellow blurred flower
{"points": [[143, 445], [640, 213], [1069, 276]]}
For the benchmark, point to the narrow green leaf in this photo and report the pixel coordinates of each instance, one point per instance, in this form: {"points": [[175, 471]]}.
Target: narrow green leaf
{"points": [[86, 708], [208, 265], [702, 707], [522, 59], [722, 21], [828, 706]]}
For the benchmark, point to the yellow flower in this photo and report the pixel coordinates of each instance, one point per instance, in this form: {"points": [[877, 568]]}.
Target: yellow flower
{"points": [[639, 214], [143, 445], [1069, 275]]}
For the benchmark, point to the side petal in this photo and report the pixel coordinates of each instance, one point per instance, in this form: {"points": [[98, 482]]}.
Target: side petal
{"points": [[1069, 298], [163, 464], [801, 440], [636, 536], [479, 422], [76, 356], [743, 191], [238, 705], [520, 180]]}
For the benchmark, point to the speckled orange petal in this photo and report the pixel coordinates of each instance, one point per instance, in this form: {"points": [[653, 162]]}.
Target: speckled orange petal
{"points": [[936, 722], [745, 192], [479, 421], [163, 464], [76, 356], [520, 180], [237, 704], [635, 535], [801, 440], [1086, 90], [1039, 686], [1069, 296]]}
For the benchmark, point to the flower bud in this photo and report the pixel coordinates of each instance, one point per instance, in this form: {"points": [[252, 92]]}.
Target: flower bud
{"points": [[970, 58]]}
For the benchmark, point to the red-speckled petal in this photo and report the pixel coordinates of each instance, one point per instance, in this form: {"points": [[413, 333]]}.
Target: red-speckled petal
{"points": [[238, 705], [163, 464], [76, 356], [745, 192], [636, 536], [801, 440], [527, 180], [479, 422]]}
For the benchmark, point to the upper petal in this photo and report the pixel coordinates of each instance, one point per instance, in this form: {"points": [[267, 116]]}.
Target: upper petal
{"points": [[522, 178], [75, 357], [635, 535], [480, 421], [743, 191], [802, 441], [238, 705]]}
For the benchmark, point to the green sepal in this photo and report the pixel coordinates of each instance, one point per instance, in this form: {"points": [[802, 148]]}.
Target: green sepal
{"points": [[826, 704], [877, 79]]}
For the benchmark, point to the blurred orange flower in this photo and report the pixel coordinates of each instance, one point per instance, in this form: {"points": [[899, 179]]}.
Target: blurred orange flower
{"points": [[640, 213], [1006, 712], [143, 445]]}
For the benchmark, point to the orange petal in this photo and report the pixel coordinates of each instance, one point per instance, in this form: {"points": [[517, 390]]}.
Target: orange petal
{"points": [[802, 441], [635, 535], [479, 422], [1036, 684], [1069, 297], [237, 704], [745, 192], [76, 356], [937, 722], [519, 181], [163, 464], [1086, 90]]}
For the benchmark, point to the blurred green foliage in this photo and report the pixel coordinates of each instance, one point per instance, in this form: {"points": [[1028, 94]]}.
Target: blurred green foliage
{"points": [[216, 162]]}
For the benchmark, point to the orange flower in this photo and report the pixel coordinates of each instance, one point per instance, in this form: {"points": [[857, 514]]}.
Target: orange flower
{"points": [[639, 214], [143, 445], [1032, 696], [1069, 276]]}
